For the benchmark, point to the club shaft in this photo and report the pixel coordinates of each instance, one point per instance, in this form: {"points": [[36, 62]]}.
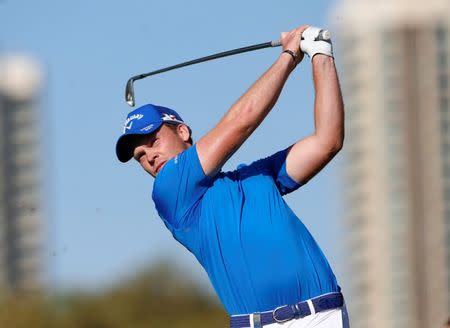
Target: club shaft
{"points": [[210, 57], [129, 89]]}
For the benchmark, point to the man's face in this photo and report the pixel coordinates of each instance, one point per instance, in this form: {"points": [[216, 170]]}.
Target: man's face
{"points": [[152, 151]]}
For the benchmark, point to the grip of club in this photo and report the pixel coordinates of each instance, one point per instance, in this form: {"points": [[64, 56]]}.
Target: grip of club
{"points": [[276, 43], [324, 35]]}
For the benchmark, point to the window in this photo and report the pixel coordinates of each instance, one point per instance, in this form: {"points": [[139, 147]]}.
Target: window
{"points": [[444, 126], [445, 149], [443, 82], [441, 35], [444, 105], [442, 59]]}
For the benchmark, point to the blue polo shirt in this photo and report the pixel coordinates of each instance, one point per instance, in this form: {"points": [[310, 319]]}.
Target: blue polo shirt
{"points": [[255, 250]]}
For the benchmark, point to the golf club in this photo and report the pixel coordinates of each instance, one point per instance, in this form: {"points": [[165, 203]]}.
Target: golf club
{"points": [[129, 89]]}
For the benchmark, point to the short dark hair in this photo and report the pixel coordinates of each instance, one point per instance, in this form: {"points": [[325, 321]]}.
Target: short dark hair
{"points": [[173, 127]]}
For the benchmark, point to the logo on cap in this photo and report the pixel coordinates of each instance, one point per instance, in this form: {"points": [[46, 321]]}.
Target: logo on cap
{"points": [[168, 117], [127, 126], [148, 127]]}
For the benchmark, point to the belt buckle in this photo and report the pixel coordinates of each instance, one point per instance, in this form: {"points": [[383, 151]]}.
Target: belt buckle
{"points": [[274, 315]]}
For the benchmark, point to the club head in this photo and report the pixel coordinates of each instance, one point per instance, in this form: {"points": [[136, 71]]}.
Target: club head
{"points": [[129, 92]]}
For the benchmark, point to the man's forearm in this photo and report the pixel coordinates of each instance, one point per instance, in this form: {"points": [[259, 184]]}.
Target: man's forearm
{"points": [[247, 113], [328, 107], [253, 106]]}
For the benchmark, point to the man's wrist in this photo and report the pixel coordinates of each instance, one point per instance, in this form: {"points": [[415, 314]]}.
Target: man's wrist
{"points": [[291, 53], [321, 58], [286, 57]]}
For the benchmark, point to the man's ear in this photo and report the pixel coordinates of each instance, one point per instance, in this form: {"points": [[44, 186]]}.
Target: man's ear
{"points": [[184, 132]]}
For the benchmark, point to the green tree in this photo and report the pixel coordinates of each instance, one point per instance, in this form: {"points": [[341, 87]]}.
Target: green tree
{"points": [[156, 297]]}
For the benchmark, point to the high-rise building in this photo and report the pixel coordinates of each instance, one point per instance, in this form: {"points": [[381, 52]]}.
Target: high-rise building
{"points": [[20, 212], [394, 62]]}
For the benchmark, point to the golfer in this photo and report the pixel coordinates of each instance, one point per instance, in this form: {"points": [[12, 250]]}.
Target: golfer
{"points": [[265, 266]]}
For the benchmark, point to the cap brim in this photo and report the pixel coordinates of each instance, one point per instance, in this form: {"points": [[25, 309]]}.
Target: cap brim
{"points": [[124, 147], [125, 144]]}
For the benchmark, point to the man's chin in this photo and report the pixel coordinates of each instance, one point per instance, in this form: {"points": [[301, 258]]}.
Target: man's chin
{"points": [[151, 173]]}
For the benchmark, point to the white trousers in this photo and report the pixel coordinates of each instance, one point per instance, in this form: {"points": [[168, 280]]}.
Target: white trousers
{"points": [[335, 318]]}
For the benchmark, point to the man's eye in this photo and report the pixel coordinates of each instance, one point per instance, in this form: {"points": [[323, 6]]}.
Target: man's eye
{"points": [[137, 156]]}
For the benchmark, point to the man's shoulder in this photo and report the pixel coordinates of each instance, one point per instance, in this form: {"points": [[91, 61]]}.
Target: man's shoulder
{"points": [[184, 169], [173, 163]]}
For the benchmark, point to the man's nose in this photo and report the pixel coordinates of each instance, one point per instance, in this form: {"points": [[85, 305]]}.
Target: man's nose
{"points": [[151, 156]]}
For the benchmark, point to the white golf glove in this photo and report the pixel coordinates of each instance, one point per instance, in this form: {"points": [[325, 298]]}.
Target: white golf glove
{"points": [[316, 41]]}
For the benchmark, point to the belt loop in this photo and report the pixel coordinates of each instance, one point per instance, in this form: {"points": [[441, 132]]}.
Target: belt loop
{"points": [[296, 310], [256, 320], [311, 306]]}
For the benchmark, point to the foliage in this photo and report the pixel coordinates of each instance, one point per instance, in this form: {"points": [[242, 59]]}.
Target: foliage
{"points": [[154, 298]]}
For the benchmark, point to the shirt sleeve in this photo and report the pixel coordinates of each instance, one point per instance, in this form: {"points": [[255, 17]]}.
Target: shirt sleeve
{"points": [[179, 187], [275, 165]]}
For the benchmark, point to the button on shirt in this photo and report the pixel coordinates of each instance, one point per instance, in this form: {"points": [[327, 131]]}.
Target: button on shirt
{"points": [[255, 250]]}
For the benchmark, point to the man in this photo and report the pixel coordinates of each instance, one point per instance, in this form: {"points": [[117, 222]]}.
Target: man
{"points": [[264, 265]]}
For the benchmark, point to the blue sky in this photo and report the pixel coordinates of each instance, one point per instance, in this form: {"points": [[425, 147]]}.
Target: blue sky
{"points": [[101, 224]]}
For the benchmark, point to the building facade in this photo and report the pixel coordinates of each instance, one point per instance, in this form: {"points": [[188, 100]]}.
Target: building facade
{"points": [[394, 58], [20, 211]]}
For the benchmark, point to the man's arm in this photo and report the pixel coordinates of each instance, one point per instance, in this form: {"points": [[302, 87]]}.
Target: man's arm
{"points": [[217, 146], [309, 155]]}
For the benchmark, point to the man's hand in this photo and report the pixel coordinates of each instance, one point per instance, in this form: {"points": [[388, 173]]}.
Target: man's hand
{"points": [[291, 41], [312, 44]]}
